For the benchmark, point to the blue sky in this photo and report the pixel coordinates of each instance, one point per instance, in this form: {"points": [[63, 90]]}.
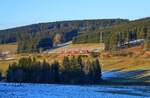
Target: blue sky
{"points": [[15, 13]]}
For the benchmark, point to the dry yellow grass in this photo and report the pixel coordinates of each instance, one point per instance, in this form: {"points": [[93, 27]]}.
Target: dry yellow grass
{"points": [[91, 46], [107, 63], [4, 65], [125, 63], [9, 47], [39, 57], [12, 48]]}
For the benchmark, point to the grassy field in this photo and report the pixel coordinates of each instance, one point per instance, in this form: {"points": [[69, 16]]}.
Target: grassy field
{"points": [[125, 63], [80, 46], [40, 57], [112, 63], [12, 48], [9, 47]]}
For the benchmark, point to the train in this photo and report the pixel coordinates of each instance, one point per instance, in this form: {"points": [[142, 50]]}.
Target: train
{"points": [[132, 43]]}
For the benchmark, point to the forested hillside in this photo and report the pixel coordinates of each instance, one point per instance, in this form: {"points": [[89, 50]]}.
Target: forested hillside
{"points": [[118, 34], [29, 37], [109, 31]]}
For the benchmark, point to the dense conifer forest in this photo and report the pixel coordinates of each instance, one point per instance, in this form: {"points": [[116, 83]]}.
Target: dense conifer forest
{"points": [[73, 70]]}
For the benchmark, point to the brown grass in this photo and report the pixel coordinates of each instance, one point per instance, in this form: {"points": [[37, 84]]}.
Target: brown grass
{"points": [[9, 47], [122, 63]]}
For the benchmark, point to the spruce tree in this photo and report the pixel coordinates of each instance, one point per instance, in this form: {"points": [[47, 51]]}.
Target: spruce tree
{"points": [[55, 76], [97, 70]]}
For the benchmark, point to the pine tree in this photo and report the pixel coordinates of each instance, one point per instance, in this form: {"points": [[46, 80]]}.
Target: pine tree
{"points": [[66, 70], [97, 70], [66, 63], [0, 76], [55, 72]]}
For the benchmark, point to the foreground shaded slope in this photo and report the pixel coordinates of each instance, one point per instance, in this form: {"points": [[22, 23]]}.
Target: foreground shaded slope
{"points": [[72, 91]]}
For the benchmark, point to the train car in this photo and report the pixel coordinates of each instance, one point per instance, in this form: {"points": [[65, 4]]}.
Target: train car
{"points": [[131, 43]]}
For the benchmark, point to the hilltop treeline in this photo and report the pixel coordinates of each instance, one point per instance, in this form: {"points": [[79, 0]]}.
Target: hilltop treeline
{"points": [[28, 37], [72, 71], [118, 34]]}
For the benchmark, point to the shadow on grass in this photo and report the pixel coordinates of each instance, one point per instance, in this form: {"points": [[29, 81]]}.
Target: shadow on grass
{"points": [[126, 76], [126, 92]]}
